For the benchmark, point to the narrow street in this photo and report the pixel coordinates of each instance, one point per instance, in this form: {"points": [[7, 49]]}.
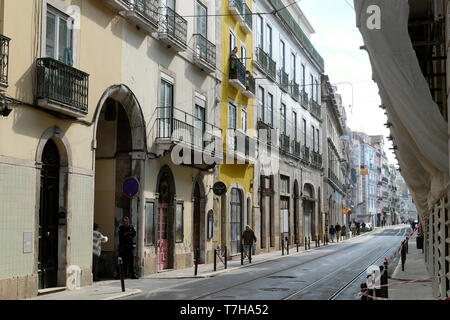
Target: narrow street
{"points": [[333, 272]]}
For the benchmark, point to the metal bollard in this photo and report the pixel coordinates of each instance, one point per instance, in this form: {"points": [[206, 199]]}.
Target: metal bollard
{"points": [[197, 254], [297, 245], [242, 254], [403, 255], [215, 259], [318, 241], [385, 281], [287, 246], [309, 243], [122, 281], [306, 244], [282, 247], [250, 253], [225, 257]]}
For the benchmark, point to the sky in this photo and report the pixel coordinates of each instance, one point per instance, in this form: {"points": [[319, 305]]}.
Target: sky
{"points": [[338, 41]]}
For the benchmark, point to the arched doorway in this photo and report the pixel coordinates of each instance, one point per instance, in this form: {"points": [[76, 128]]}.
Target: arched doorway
{"points": [[165, 233], [48, 217], [199, 220], [120, 149], [308, 211], [236, 219]]}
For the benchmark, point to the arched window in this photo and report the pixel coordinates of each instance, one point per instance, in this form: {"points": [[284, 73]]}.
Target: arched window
{"points": [[235, 219]]}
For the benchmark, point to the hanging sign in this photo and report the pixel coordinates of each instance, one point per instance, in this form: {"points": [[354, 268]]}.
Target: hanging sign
{"points": [[219, 188]]}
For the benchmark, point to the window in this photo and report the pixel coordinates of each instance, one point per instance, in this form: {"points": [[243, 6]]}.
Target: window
{"points": [[199, 125], [179, 234], [244, 55], [313, 140], [58, 38], [312, 87], [149, 223], [201, 13], [260, 31], [293, 68], [232, 41], [235, 219], [304, 132], [270, 111], [249, 212], [282, 55], [244, 120], [168, 3], [231, 116], [317, 91], [284, 184], [166, 108], [294, 124], [318, 140], [283, 118], [269, 41], [261, 103]]}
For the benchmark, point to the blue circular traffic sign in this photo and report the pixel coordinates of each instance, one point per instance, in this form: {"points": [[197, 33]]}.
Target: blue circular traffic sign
{"points": [[130, 187]]}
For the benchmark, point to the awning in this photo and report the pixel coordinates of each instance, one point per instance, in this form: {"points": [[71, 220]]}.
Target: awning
{"points": [[419, 130]]}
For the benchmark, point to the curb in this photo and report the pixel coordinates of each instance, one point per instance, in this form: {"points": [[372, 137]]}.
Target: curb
{"points": [[124, 295]]}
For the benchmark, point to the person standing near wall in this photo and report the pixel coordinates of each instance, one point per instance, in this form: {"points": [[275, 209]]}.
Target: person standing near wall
{"points": [[127, 233], [98, 239]]}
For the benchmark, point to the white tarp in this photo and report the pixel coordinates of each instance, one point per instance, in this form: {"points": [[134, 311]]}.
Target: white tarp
{"points": [[419, 130]]}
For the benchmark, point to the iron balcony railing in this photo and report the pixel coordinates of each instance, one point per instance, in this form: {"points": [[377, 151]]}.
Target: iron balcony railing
{"points": [[266, 63], [250, 82], [148, 9], [283, 80], [237, 71], [173, 25], [315, 108], [247, 15], [305, 154], [294, 90], [284, 143], [305, 99], [316, 159], [296, 147], [62, 84], [176, 124], [335, 179], [4, 60], [240, 142], [204, 49]]}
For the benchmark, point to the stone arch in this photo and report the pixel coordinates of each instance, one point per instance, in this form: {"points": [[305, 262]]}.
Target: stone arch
{"points": [[199, 218]]}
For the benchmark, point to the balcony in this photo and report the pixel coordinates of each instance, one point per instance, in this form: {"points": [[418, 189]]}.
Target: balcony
{"points": [[4, 62], [261, 125], [315, 109], [296, 148], [305, 154], [294, 90], [305, 100], [237, 76], [266, 64], [246, 24], [284, 143], [173, 29], [236, 8], [283, 80], [175, 126], [250, 85], [143, 13], [61, 88], [239, 143], [333, 178], [204, 53], [316, 159]]}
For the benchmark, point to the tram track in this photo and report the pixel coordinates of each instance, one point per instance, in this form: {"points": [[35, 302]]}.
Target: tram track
{"points": [[336, 294]]}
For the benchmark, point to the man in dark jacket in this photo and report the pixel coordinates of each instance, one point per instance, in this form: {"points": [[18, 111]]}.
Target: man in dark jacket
{"points": [[248, 237], [127, 233], [338, 231]]}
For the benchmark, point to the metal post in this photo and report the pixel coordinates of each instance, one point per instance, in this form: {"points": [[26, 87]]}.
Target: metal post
{"points": [[215, 259], [250, 253], [403, 253], [306, 244], [282, 246], [197, 253], [297, 245], [385, 289], [309, 243], [122, 282], [225, 257], [318, 241], [242, 254], [287, 246]]}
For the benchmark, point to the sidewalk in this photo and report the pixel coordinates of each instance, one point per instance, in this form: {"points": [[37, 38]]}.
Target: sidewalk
{"points": [[414, 270], [111, 290]]}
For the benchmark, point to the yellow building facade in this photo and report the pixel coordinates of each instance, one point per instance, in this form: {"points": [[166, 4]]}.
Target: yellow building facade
{"points": [[236, 122]]}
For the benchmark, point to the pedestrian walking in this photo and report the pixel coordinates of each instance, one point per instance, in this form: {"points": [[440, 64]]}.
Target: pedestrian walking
{"points": [[353, 228], [363, 227], [344, 231], [127, 233], [98, 239], [332, 233], [338, 231], [248, 237], [358, 228]]}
